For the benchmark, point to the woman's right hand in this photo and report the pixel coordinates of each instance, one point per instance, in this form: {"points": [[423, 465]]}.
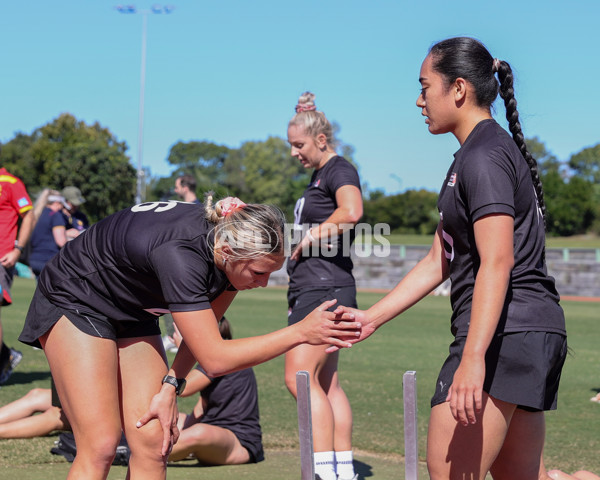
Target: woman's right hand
{"points": [[163, 407], [368, 326], [323, 327]]}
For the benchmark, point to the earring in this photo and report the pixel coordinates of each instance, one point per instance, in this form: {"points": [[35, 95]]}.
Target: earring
{"points": [[224, 261]]}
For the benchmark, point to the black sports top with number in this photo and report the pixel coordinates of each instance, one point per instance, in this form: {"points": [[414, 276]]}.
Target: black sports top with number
{"points": [[323, 266], [231, 402], [489, 175], [138, 263]]}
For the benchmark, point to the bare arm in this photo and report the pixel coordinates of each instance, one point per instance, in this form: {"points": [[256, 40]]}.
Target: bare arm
{"points": [[419, 282], [60, 236], [494, 240], [196, 381], [185, 359], [27, 223], [219, 357], [345, 216]]}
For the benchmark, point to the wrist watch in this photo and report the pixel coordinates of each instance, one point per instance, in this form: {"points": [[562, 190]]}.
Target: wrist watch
{"points": [[178, 383], [18, 247]]}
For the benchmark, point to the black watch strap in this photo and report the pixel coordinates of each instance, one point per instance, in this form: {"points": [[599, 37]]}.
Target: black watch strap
{"points": [[178, 383]]}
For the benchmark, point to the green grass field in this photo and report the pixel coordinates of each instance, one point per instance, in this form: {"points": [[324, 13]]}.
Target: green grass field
{"points": [[371, 373]]}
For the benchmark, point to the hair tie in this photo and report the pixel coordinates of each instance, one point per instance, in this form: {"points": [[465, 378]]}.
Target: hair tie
{"points": [[229, 205], [495, 65], [304, 107]]}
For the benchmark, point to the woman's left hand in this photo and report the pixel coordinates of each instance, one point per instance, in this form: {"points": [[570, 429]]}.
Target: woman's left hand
{"points": [[466, 392], [163, 407]]}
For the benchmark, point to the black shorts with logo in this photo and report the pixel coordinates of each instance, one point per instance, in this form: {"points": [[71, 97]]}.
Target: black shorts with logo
{"points": [[522, 368]]}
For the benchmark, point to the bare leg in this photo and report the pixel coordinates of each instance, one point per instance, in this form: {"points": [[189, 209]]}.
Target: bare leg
{"points": [[36, 400], [142, 365], [85, 372], [211, 445], [520, 456], [342, 412], [36, 425], [458, 452], [312, 359]]}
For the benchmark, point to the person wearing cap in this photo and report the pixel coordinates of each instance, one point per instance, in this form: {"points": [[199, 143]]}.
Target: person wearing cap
{"points": [[49, 234], [76, 220]]}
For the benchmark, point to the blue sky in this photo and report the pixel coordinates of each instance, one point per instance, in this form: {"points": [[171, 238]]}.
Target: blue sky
{"points": [[229, 71]]}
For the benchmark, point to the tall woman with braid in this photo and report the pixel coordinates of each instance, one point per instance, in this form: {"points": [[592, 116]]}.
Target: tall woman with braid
{"points": [[504, 365]]}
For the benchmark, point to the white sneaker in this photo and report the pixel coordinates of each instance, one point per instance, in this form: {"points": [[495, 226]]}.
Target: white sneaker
{"points": [[168, 344]]}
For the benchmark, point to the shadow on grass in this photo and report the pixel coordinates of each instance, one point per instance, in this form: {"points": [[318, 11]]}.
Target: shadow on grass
{"points": [[364, 470], [27, 377]]}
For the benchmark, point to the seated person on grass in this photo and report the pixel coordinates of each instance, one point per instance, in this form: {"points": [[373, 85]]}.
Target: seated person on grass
{"points": [[223, 428]]}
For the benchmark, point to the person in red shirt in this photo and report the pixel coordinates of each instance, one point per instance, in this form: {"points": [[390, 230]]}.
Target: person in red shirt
{"points": [[15, 204]]}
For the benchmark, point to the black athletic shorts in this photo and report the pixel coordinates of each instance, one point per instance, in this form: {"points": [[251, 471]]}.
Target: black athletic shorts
{"points": [[43, 314], [303, 301], [522, 368]]}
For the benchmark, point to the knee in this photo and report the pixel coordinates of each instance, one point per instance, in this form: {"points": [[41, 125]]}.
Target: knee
{"points": [[290, 380], [145, 443], [197, 435], [100, 450], [40, 397], [433, 473], [38, 392]]}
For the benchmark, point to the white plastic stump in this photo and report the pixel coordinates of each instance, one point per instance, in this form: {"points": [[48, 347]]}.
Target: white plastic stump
{"points": [[307, 464], [411, 447]]}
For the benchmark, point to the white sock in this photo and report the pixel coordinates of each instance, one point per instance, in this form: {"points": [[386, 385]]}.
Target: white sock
{"points": [[325, 465], [344, 465]]}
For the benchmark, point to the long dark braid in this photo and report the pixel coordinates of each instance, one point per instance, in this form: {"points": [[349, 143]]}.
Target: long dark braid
{"points": [[507, 93], [468, 58]]}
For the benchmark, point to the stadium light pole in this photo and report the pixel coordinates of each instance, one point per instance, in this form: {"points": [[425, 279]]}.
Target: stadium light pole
{"points": [[131, 9]]}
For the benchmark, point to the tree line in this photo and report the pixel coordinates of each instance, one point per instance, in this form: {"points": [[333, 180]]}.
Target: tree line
{"points": [[67, 151]]}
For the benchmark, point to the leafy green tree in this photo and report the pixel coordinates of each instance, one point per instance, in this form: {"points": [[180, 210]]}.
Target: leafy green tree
{"points": [[16, 157], [271, 175], [586, 163], [546, 160], [414, 211], [203, 160], [69, 152], [569, 191], [570, 210]]}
